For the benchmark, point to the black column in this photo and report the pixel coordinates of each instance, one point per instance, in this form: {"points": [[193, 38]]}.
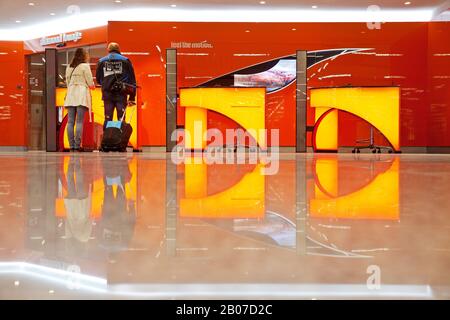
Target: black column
{"points": [[171, 97], [50, 99], [301, 96]]}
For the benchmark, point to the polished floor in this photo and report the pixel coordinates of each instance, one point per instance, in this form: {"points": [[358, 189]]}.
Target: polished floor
{"points": [[114, 226]]}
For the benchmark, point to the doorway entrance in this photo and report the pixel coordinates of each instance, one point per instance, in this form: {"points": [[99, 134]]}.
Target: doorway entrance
{"points": [[36, 101], [38, 94]]}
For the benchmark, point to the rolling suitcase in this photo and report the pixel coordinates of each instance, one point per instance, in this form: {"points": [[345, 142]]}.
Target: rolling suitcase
{"points": [[116, 136], [88, 140]]}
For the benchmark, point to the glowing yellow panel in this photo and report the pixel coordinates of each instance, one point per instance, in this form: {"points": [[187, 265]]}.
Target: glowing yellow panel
{"points": [[246, 106], [195, 130], [99, 113], [326, 137], [378, 106]]}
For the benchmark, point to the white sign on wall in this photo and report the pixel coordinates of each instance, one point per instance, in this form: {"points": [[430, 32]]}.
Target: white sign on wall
{"points": [[61, 38], [191, 45]]}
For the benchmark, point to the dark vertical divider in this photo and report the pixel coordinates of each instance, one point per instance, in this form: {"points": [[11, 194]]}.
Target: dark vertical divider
{"points": [[171, 97], [301, 96], [50, 99]]}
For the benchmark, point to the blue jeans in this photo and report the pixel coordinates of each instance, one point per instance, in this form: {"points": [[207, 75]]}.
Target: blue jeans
{"points": [[78, 114], [120, 106]]}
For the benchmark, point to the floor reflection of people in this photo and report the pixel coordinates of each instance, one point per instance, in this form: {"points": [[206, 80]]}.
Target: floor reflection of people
{"points": [[118, 212], [78, 224]]}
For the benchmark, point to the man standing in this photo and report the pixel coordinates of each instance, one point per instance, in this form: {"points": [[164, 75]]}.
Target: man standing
{"points": [[112, 70]]}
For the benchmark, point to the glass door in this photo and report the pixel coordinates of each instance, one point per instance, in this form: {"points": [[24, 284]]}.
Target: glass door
{"points": [[36, 101]]}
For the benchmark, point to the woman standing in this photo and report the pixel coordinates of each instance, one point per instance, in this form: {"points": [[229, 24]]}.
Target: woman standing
{"points": [[78, 99]]}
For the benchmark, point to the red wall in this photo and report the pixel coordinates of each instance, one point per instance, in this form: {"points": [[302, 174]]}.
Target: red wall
{"points": [[399, 57], [13, 108], [439, 84], [402, 54]]}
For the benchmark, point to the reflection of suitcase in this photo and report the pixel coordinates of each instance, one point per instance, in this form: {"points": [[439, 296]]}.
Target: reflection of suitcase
{"points": [[116, 136], [98, 134]]}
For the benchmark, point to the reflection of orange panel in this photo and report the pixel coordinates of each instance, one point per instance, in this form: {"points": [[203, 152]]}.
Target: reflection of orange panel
{"points": [[243, 200], [97, 191], [60, 209], [282, 190], [378, 200], [327, 176], [131, 190], [97, 198], [195, 179]]}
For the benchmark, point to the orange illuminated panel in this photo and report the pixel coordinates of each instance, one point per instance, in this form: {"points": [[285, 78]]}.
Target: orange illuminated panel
{"points": [[99, 115], [379, 106], [196, 128], [326, 130], [246, 106]]}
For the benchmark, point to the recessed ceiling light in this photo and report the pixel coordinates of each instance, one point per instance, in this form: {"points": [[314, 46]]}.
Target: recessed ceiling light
{"points": [[31, 3], [117, 1], [293, 29], [407, 3], [247, 31], [131, 30], [314, 7], [18, 21], [174, 27], [173, 5], [262, 2], [52, 13]]}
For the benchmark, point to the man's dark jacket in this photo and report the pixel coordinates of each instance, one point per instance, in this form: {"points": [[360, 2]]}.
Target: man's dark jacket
{"points": [[115, 67]]}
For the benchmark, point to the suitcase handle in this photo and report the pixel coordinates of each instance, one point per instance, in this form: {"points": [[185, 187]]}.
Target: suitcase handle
{"points": [[125, 112]]}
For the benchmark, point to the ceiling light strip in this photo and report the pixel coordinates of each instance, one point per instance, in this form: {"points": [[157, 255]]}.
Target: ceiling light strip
{"points": [[97, 19]]}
